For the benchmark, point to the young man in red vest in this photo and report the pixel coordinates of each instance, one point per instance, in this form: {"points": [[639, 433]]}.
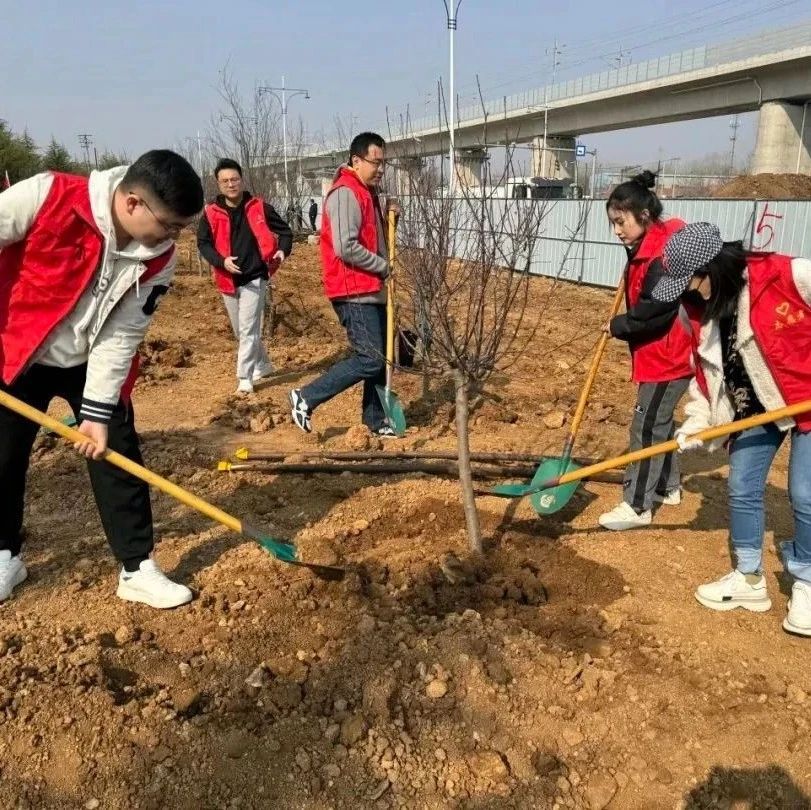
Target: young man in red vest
{"points": [[83, 263], [244, 240], [354, 267], [750, 319]]}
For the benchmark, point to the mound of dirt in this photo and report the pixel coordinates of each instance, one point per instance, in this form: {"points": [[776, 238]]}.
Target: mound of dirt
{"points": [[161, 358], [766, 187], [248, 413]]}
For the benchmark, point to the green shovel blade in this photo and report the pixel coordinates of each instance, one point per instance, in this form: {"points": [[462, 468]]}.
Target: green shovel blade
{"points": [[393, 409], [280, 549], [510, 490], [549, 501]]}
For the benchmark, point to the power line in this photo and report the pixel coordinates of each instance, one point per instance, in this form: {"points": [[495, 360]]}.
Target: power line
{"points": [[626, 37]]}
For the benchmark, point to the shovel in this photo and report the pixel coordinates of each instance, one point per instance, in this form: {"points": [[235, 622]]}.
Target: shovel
{"points": [[553, 494], [282, 550], [553, 467], [392, 406]]}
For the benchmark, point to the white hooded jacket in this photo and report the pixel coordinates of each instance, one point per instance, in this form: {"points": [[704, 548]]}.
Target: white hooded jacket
{"points": [[112, 316]]}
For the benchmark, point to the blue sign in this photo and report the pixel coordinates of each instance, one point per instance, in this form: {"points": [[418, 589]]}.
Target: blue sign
{"points": [[580, 150]]}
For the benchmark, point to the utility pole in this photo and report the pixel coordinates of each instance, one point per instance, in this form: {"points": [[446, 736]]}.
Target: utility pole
{"points": [[451, 13], [556, 52], [673, 187], [734, 124], [85, 142], [281, 95], [593, 171], [200, 154]]}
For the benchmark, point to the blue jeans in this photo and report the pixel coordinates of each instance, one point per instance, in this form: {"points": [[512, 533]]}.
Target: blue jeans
{"points": [[751, 455], [365, 326]]}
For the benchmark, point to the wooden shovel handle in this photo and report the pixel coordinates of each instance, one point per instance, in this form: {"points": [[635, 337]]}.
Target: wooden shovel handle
{"points": [[591, 376], [122, 462], [668, 447], [392, 241]]}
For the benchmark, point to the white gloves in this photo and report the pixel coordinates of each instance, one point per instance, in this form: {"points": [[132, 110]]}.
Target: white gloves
{"points": [[686, 442]]}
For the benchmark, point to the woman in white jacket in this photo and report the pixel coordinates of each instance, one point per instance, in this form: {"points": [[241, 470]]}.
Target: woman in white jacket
{"points": [[750, 316]]}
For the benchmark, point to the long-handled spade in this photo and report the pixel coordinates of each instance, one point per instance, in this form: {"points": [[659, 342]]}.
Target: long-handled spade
{"points": [[391, 404], [554, 493], [281, 549], [554, 467]]}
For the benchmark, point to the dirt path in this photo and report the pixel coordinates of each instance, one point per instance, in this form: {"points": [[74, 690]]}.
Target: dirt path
{"points": [[571, 668]]}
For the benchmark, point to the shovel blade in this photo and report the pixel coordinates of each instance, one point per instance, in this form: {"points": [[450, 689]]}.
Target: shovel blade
{"points": [[393, 409], [280, 549], [549, 501], [285, 551], [510, 490]]}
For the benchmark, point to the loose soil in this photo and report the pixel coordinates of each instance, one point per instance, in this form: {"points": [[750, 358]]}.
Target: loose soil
{"points": [[568, 668], [766, 187]]}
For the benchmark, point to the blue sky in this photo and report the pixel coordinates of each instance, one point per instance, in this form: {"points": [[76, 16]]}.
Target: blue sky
{"points": [[140, 75]]}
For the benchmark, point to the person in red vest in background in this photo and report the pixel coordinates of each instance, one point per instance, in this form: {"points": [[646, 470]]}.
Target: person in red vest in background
{"points": [[83, 264], [245, 241], [660, 351], [750, 321], [354, 267]]}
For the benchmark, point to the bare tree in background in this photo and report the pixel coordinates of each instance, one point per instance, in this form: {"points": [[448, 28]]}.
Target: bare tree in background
{"points": [[464, 281], [248, 128]]}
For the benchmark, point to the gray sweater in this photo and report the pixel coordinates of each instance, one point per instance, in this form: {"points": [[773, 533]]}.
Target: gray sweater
{"points": [[345, 219]]}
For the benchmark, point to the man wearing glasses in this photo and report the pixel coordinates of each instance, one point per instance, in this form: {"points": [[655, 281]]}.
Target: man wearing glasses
{"points": [[244, 240], [83, 263], [354, 268]]}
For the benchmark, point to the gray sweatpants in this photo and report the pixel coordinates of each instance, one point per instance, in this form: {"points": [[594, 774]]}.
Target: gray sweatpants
{"points": [[245, 310], [653, 423]]}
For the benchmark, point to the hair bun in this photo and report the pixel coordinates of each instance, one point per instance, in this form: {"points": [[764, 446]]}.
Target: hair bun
{"points": [[646, 179]]}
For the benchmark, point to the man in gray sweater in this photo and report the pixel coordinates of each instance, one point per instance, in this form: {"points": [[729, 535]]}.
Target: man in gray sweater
{"points": [[354, 268]]}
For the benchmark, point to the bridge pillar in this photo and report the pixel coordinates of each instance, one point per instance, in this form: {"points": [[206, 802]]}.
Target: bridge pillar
{"points": [[469, 163], [407, 171], [781, 140], [556, 162]]}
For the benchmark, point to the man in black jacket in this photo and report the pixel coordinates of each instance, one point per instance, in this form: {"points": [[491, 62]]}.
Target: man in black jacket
{"points": [[244, 240]]}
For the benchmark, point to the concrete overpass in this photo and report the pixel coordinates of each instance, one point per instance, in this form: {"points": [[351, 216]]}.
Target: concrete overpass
{"points": [[769, 72]]}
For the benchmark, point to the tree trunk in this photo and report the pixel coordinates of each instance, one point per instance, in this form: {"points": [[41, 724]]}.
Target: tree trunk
{"points": [[474, 534]]}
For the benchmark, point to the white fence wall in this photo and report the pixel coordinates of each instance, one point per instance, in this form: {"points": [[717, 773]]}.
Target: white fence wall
{"points": [[576, 242]]}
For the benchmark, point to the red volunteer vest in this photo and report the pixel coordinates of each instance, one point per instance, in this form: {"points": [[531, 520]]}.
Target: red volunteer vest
{"points": [[667, 357], [781, 324], [43, 277], [342, 279], [220, 224]]}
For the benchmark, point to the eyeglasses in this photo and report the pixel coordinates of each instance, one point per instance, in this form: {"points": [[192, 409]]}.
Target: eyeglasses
{"points": [[171, 228], [378, 164]]}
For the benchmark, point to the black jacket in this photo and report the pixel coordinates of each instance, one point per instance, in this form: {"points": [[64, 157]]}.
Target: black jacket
{"points": [[243, 243], [647, 318]]}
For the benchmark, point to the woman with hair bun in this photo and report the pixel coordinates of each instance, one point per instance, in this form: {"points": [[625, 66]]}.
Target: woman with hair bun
{"points": [[660, 351]]}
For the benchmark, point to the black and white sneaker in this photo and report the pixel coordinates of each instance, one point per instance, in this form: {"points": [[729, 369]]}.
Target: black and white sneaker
{"points": [[385, 432], [300, 410]]}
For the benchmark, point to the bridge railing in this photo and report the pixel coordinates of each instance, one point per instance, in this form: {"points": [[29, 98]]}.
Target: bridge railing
{"points": [[783, 39]]}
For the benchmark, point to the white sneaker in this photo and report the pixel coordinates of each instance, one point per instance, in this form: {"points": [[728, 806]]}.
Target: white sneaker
{"points": [[385, 432], [152, 587], [244, 387], [12, 573], [735, 590], [799, 610], [300, 410], [624, 517], [263, 373], [671, 498]]}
